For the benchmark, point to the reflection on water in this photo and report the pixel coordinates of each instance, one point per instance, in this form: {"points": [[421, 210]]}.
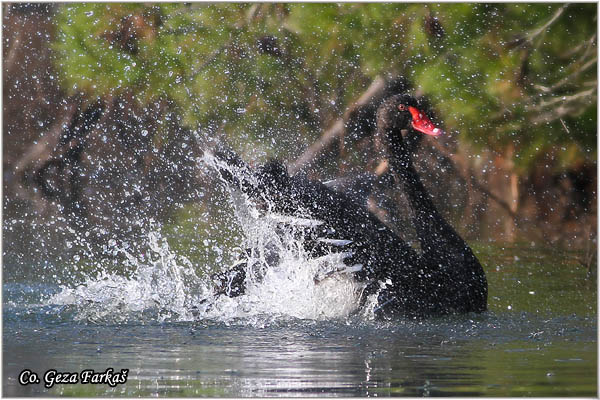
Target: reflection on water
{"points": [[468, 357], [539, 338]]}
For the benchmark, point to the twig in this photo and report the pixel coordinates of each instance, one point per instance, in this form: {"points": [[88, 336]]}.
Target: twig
{"points": [[336, 130], [574, 75], [565, 99], [576, 49], [564, 126], [588, 48], [42, 150], [14, 49], [531, 36], [526, 40], [454, 160]]}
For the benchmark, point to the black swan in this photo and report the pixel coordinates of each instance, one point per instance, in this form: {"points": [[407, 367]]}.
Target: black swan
{"points": [[444, 277]]}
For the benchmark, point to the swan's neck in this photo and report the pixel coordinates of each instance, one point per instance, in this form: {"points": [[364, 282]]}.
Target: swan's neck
{"points": [[434, 232], [401, 162]]}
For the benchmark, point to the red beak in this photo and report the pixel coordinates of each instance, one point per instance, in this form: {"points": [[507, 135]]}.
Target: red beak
{"points": [[421, 123]]}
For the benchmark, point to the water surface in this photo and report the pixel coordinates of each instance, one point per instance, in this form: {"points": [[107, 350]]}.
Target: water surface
{"points": [[537, 339]]}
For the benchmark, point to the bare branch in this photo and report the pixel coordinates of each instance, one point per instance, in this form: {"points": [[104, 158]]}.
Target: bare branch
{"points": [[564, 126], [15, 47], [563, 99], [526, 39], [559, 112], [42, 150], [337, 129], [532, 35], [587, 44], [589, 47], [461, 168], [575, 74]]}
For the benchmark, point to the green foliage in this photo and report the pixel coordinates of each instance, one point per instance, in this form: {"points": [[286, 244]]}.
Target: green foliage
{"points": [[513, 76]]}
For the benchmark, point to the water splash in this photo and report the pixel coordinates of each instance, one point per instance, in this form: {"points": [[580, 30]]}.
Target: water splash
{"points": [[282, 279], [162, 286]]}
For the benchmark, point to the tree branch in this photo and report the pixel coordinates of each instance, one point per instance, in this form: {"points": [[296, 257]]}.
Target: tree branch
{"points": [[564, 99], [568, 78], [462, 168], [336, 130], [532, 35]]}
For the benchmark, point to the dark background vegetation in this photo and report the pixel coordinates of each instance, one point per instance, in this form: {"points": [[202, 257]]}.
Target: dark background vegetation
{"points": [[107, 108]]}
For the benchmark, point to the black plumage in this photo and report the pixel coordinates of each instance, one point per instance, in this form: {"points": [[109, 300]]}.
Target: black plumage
{"points": [[444, 277]]}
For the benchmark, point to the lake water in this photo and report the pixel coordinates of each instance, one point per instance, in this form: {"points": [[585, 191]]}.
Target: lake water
{"points": [[539, 338]]}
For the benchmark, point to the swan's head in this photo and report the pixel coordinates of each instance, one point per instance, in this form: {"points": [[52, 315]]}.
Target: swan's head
{"points": [[403, 112]]}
